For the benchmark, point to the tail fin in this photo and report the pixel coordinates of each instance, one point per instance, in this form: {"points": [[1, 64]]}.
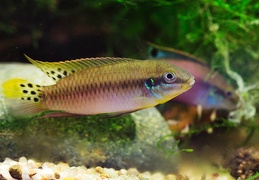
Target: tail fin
{"points": [[23, 98]]}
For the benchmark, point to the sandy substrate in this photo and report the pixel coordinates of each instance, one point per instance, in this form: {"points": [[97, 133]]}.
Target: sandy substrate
{"points": [[30, 169]]}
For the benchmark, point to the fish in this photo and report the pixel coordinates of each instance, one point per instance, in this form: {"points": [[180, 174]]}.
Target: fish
{"points": [[90, 86], [210, 91]]}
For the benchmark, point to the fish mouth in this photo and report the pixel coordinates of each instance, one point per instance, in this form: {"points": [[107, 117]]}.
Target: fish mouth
{"points": [[186, 86], [191, 82]]}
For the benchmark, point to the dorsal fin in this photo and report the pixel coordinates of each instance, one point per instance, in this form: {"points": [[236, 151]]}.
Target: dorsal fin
{"points": [[177, 54], [211, 75], [62, 69]]}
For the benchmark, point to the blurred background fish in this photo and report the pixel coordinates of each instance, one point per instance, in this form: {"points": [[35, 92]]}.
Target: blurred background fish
{"points": [[211, 91], [97, 86]]}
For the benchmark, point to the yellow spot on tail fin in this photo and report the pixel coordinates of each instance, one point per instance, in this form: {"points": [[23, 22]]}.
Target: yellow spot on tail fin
{"points": [[23, 98], [12, 89]]}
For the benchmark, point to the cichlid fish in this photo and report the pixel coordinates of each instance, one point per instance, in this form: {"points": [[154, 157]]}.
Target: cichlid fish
{"points": [[211, 90], [97, 86]]}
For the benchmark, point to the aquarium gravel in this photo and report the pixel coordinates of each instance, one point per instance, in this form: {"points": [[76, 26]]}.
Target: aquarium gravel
{"points": [[245, 163], [28, 169]]}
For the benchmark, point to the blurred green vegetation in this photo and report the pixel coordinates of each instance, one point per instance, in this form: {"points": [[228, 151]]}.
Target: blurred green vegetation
{"points": [[223, 33], [220, 32], [198, 27]]}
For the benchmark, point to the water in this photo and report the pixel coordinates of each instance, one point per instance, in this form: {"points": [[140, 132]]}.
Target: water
{"points": [[211, 142]]}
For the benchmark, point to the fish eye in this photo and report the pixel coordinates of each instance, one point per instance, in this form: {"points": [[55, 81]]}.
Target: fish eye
{"points": [[154, 52], [229, 93], [169, 77]]}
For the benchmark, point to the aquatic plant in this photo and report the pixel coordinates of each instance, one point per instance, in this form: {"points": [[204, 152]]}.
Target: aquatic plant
{"points": [[254, 177], [222, 33], [172, 151]]}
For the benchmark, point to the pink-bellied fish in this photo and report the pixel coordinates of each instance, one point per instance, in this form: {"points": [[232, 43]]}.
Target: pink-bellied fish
{"points": [[211, 90], [89, 86]]}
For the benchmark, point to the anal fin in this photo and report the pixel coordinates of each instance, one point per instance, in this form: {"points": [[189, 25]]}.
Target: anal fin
{"points": [[55, 114]]}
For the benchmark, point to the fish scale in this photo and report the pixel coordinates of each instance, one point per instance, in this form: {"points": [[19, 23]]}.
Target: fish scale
{"points": [[109, 88], [98, 86]]}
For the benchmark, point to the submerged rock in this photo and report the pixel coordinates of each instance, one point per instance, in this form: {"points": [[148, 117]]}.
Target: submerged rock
{"points": [[245, 163], [137, 140]]}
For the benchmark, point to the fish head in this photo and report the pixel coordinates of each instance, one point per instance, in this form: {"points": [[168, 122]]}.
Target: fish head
{"points": [[211, 89], [171, 82], [230, 99], [209, 96]]}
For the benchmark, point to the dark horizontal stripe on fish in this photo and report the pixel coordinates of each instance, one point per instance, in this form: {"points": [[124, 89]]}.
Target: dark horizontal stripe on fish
{"points": [[94, 89]]}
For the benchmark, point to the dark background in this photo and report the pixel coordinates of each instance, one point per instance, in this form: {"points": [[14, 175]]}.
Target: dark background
{"points": [[53, 30]]}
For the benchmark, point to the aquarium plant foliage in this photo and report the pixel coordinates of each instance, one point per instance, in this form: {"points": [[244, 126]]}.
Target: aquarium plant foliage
{"points": [[223, 33]]}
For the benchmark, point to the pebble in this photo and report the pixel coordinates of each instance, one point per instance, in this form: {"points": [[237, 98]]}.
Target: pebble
{"points": [[245, 163], [15, 171], [31, 170], [2, 177], [133, 172]]}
